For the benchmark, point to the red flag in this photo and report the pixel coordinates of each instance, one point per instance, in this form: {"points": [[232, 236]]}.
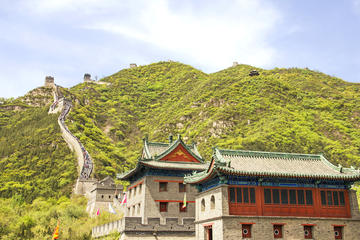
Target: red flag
{"points": [[56, 232], [124, 201]]}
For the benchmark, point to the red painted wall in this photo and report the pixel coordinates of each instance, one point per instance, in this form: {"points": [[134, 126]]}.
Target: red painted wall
{"points": [[259, 208]]}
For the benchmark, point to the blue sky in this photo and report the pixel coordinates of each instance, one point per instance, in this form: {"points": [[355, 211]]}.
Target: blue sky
{"points": [[67, 38]]}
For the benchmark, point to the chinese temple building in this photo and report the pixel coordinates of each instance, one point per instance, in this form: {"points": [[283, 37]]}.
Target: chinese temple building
{"points": [[155, 196], [268, 195]]}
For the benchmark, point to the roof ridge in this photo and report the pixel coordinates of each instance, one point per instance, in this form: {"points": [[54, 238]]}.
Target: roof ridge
{"points": [[159, 143], [269, 154]]}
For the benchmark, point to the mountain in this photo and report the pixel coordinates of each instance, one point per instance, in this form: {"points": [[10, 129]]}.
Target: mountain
{"points": [[285, 110]]}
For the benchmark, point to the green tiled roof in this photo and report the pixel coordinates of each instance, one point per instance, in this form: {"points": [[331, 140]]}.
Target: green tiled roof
{"points": [[154, 151], [274, 164]]}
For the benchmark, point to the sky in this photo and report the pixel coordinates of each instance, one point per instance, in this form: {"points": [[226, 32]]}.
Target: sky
{"points": [[67, 38]]}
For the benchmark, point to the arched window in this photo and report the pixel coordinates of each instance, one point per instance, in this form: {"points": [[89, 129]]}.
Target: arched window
{"points": [[203, 205], [212, 202], [138, 210]]}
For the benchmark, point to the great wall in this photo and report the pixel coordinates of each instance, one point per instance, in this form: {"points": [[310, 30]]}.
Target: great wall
{"points": [[85, 163]]}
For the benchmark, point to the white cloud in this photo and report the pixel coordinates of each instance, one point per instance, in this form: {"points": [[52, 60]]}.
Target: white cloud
{"points": [[213, 35], [47, 37]]}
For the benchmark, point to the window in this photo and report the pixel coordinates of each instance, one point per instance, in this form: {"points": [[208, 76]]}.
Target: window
{"points": [[338, 232], [242, 195], [323, 199], [332, 198], [238, 195], [182, 208], [140, 188], [134, 190], [138, 210], [163, 206], [284, 196], [163, 186], [278, 231], [276, 197], [292, 194], [308, 232], [203, 205], [336, 198], [329, 198], [309, 198], [301, 199], [232, 195], [246, 195], [267, 196], [212, 202], [252, 195], [246, 230], [182, 187], [342, 198]]}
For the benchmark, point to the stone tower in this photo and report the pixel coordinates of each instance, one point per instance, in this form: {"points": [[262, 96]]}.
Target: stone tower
{"points": [[133, 65], [87, 77], [49, 81], [235, 64]]}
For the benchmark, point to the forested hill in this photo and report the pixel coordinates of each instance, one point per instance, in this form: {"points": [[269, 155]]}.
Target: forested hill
{"points": [[284, 110]]}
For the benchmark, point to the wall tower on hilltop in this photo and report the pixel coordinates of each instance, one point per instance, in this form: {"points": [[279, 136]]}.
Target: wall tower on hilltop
{"points": [[87, 77], [49, 81]]}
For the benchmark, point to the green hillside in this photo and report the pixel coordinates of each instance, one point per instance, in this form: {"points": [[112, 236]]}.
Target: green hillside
{"points": [[286, 110]]}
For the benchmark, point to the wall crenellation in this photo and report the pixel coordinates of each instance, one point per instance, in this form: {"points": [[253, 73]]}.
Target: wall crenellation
{"points": [[133, 224]]}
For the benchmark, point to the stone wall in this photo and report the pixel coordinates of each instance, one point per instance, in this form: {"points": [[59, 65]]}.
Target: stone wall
{"points": [[145, 203], [354, 205], [216, 208], [134, 226]]}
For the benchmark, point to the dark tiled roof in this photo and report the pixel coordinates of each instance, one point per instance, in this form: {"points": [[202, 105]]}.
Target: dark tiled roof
{"points": [[264, 164]]}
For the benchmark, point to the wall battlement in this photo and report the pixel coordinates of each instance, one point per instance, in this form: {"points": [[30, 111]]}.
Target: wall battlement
{"points": [[133, 224]]}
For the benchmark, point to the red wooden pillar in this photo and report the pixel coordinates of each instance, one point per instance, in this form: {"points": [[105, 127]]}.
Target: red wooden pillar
{"points": [[347, 203], [317, 202], [260, 200]]}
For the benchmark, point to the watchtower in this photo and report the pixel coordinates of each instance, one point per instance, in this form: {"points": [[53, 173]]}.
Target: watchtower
{"points": [[87, 77], [49, 81], [103, 193], [235, 64], [133, 65]]}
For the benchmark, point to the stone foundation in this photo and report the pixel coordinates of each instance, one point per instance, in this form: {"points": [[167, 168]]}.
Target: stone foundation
{"points": [[132, 228], [230, 227]]}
